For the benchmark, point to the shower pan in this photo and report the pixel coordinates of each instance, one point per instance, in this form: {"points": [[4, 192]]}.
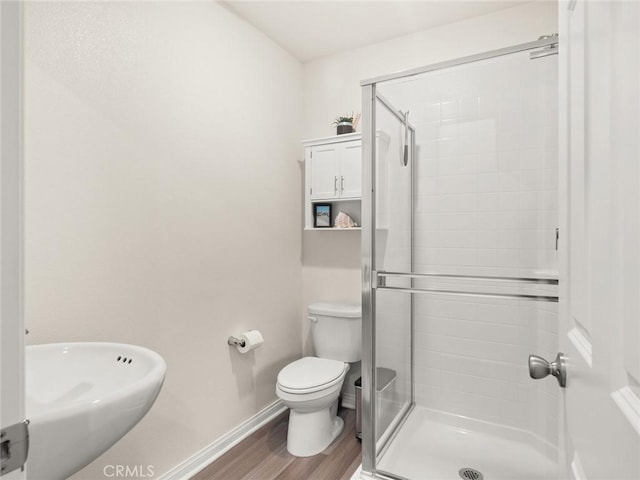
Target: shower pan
{"points": [[460, 280]]}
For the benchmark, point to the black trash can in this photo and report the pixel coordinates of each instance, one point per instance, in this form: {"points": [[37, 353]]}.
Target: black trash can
{"points": [[384, 377]]}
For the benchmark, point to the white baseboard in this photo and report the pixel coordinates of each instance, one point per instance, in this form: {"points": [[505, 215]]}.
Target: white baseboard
{"points": [[211, 452], [349, 400]]}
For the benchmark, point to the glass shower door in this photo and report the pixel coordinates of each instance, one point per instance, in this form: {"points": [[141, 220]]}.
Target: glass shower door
{"points": [[393, 252], [387, 347], [463, 276]]}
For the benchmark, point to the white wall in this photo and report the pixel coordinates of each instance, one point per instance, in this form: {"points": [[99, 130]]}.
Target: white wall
{"points": [[332, 84], [161, 204], [331, 260]]}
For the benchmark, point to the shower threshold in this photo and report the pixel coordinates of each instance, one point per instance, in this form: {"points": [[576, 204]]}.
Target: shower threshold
{"points": [[428, 446]]}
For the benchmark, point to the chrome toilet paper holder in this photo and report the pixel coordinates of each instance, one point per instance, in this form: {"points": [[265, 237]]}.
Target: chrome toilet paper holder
{"points": [[236, 342]]}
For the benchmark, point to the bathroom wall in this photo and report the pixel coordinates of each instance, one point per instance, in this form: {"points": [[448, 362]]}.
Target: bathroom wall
{"points": [[331, 260], [161, 205], [332, 83]]}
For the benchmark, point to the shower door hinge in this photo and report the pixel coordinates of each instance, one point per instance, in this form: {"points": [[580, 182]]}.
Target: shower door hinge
{"points": [[378, 280], [14, 447]]}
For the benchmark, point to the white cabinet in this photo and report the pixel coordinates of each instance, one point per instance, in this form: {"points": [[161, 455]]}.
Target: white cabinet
{"points": [[333, 175], [335, 170], [351, 169], [322, 171]]}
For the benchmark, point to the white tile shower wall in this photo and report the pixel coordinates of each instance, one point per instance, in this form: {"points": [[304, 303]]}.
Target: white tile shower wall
{"points": [[471, 359], [485, 203], [486, 199]]}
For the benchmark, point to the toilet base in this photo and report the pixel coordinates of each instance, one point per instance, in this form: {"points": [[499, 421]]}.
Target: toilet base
{"points": [[310, 433]]}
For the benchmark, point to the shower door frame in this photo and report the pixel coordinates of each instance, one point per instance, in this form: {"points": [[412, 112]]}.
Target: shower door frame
{"points": [[370, 97]]}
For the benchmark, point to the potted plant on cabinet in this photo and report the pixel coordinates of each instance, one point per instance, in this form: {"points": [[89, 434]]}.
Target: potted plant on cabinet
{"points": [[346, 123]]}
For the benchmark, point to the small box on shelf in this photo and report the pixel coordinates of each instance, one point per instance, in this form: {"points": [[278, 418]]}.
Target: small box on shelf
{"points": [[343, 215], [322, 215]]}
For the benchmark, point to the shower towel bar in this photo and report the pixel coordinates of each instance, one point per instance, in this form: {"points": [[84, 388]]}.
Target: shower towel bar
{"points": [[382, 276], [545, 280]]}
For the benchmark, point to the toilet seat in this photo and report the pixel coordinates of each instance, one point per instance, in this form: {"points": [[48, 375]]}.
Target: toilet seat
{"points": [[311, 374]]}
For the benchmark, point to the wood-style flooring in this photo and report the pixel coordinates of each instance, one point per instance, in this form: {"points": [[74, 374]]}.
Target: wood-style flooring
{"points": [[263, 456]]}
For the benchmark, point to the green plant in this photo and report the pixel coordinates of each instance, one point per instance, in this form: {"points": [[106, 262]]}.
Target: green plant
{"points": [[343, 119]]}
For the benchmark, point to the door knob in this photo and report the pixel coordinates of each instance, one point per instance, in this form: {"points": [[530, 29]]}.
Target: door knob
{"points": [[540, 368]]}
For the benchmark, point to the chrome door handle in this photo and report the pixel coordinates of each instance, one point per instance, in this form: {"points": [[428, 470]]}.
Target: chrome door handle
{"points": [[335, 185], [540, 368], [341, 184]]}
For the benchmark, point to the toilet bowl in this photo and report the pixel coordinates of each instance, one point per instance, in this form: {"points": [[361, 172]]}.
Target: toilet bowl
{"points": [[310, 386]]}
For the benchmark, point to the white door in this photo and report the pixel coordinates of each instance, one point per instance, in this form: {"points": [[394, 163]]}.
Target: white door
{"points": [[11, 325], [351, 169], [324, 171], [600, 304]]}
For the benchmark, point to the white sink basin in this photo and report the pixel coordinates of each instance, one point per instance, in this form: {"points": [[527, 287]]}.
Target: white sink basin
{"points": [[82, 398]]}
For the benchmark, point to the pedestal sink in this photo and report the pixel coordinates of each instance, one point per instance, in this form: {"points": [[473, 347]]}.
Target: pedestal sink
{"points": [[82, 398]]}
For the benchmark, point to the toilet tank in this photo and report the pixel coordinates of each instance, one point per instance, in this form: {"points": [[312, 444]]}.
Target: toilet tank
{"points": [[336, 331]]}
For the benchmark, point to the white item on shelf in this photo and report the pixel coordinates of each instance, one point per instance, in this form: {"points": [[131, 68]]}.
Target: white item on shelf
{"points": [[344, 221]]}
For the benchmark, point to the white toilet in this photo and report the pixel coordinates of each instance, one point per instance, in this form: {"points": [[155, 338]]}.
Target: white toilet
{"points": [[310, 387]]}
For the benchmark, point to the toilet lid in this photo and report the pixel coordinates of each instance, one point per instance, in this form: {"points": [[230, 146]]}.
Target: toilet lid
{"points": [[310, 373], [335, 310]]}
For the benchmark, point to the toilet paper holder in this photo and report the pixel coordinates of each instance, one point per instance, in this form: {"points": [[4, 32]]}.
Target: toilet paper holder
{"points": [[236, 342], [246, 341]]}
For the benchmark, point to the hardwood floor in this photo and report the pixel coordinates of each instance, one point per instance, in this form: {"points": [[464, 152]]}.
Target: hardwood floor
{"points": [[264, 456]]}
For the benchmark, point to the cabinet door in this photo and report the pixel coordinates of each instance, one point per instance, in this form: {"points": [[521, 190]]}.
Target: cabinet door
{"points": [[351, 169], [324, 167]]}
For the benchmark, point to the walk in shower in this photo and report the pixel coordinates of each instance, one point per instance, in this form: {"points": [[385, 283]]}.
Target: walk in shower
{"points": [[460, 267]]}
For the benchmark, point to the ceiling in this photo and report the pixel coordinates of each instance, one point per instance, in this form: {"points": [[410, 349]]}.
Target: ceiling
{"points": [[310, 29]]}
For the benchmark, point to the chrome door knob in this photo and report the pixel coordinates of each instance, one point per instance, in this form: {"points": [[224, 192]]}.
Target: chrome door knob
{"points": [[540, 368]]}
